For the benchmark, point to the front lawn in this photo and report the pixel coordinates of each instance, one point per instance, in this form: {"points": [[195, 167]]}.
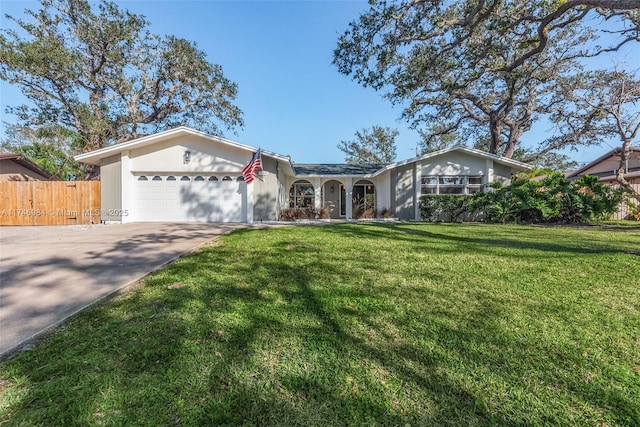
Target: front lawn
{"points": [[356, 324]]}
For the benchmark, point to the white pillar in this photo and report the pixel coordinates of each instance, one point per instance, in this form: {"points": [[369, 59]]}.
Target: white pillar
{"points": [[126, 188], [348, 191], [417, 185], [250, 201], [317, 189], [489, 172]]}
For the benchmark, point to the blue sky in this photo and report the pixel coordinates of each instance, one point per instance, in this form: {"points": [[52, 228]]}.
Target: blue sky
{"points": [[279, 53]]}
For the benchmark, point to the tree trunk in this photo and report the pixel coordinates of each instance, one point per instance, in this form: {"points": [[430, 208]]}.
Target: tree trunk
{"points": [[496, 137], [622, 169]]}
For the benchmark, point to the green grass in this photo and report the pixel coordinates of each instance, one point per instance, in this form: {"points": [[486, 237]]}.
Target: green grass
{"points": [[356, 324]]}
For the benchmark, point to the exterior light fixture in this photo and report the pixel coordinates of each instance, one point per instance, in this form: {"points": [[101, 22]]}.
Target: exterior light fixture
{"points": [[187, 156], [332, 189]]}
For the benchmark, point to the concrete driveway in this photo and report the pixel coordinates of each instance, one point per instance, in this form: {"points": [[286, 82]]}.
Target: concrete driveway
{"points": [[50, 273]]}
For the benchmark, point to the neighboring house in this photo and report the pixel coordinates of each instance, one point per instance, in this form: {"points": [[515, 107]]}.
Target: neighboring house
{"points": [[16, 167], [186, 175], [605, 168]]}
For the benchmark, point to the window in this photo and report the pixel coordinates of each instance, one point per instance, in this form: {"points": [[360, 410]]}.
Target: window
{"points": [[199, 178], [185, 178], [227, 178], [171, 178], [213, 178], [474, 184], [157, 178], [240, 178], [143, 178], [301, 194], [363, 199], [451, 184], [429, 185]]}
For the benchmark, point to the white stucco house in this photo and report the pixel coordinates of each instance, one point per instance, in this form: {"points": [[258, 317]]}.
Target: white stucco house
{"points": [[183, 175]]}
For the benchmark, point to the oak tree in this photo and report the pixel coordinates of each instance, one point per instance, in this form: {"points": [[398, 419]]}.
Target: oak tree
{"points": [[599, 105], [371, 146], [95, 69], [52, 148], [475, 67]]}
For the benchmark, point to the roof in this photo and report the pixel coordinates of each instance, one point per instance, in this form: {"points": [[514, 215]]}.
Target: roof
{"points": [[94, 157], [23, 161], [472, 151], [610, 177], [605, 156], [335, 169], [302, 169], [371, 170]]}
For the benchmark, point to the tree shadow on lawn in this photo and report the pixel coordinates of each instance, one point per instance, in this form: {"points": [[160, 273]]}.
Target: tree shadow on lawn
{"points": [[200, 346], [509, 238]]}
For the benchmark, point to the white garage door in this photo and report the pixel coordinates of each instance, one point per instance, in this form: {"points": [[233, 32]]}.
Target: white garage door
{"points": [[175, 198]]}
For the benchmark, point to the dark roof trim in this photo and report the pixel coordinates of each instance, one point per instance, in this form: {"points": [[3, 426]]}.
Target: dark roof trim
{"points": [[612, 153], [23, 161], [332, 169]]}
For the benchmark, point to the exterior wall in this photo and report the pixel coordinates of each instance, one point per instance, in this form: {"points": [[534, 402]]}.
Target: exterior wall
{"points": [[403, 195], [266, 191], [501, 173], [405, 181], [168, 156], [111, 193], [12, 171], [610, 165], [383, 192], [454, 164]]}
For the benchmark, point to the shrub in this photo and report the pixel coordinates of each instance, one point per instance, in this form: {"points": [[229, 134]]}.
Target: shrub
{"points": [[359, 211], [293, 214], [324, 213], [634, 209], [387, 213], [444, 207], [550, 199]]}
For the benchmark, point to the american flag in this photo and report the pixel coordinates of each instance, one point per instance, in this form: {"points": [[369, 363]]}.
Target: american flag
{"points": [[249, 171]]}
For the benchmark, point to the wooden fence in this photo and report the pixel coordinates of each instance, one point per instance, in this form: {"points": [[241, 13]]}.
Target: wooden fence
{"points": [[623, 210], [49, 202]]}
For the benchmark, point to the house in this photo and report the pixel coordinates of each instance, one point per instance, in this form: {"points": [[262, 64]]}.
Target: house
{"points": [[16, 167], [605, 168], [185, 175]]}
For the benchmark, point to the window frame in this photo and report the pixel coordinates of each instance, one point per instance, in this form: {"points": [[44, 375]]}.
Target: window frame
{"points": [[460, 185], [299, 197]]}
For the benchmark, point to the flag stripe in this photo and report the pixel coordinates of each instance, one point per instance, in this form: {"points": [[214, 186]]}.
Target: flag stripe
{"points": [[249, 171]]}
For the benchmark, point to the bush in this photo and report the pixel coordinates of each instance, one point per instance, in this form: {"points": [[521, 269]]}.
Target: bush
{"points": [[324, 213], [387, 213], [550, 199], [293, 214], [444, 207]]}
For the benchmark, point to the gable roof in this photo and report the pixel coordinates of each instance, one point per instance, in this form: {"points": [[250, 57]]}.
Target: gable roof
{"points": [[372, 170], [376, 169], [613, 153], [464, 149], [23, 161], [302, 169], [94, 157]]}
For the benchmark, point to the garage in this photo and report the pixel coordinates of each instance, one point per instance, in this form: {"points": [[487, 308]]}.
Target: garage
{"points": [[183, 175], [187, 198]]}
